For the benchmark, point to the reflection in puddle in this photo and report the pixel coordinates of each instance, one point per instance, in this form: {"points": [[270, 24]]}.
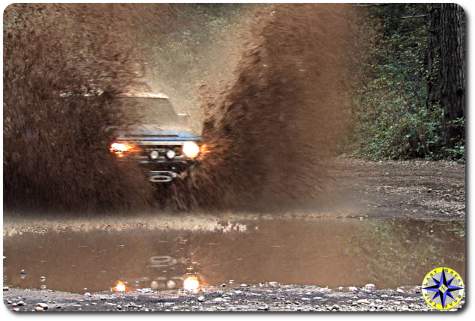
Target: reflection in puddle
{"points": [[119, 286], [326, 252]]}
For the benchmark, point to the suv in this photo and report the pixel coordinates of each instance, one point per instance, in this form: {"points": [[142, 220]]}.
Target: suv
{"points": [[159, 139]]}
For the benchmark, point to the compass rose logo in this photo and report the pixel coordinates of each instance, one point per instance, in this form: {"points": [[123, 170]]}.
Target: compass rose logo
{"points": [[443, 288]]}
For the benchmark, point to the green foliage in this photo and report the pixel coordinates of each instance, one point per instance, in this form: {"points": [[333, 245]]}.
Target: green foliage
{"points": [[391, 116], [457, 151]]}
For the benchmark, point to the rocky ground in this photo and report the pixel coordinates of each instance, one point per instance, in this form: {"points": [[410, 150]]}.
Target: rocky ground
{"points": [[263, 297]]}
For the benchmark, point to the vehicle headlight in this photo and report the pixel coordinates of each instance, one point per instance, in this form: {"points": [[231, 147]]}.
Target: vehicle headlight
{"points": [[154, 154], [121, 148], [191, 149], [170, 154]]}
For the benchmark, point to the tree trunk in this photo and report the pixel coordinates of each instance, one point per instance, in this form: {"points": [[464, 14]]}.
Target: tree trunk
{"points": [[452, 72], [433, 56]]}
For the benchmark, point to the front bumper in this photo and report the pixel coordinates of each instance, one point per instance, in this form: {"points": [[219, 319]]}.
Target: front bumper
{"points": [[161, 169], [161, 176], [166, 171]]}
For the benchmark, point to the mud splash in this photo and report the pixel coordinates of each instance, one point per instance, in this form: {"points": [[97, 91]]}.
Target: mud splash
{"points": [[271, 130], [55, 153]]}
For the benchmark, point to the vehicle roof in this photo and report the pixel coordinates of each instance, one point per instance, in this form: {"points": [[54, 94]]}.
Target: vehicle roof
{"points": [[143, 95], [122, 95]]}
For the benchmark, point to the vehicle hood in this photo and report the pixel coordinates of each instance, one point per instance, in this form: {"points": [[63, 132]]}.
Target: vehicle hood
{"points": [[153, 132]]}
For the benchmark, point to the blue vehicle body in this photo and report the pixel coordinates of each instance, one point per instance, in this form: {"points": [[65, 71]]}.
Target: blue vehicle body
{"points": [[164, 135]]}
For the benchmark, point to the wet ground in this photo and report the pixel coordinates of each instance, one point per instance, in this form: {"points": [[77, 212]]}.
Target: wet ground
{"points": [[295, 261], [323, 252], [291, 264]]}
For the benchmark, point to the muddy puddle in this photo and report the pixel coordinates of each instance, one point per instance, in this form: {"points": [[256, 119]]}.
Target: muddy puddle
{"points": [[324, 252]]}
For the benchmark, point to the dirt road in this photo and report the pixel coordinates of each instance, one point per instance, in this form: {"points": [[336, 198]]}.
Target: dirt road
{"points": [[415, 189]]}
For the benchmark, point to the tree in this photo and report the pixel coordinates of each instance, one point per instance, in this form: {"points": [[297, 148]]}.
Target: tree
{"points": [[446, 62]]}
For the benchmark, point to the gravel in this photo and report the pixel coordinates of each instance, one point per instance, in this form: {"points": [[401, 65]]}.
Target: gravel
{"points": [[261, 298]]}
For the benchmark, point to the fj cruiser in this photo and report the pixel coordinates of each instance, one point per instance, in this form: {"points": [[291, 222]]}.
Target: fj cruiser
{"points": [[160, 140]]}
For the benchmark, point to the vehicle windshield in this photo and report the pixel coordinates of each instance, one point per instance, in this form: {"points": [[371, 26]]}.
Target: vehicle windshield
{"points": [[157, 112]]}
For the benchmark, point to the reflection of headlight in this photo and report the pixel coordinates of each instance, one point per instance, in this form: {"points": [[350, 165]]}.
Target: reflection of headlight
{"points": [[191, 149], [191, 283]]}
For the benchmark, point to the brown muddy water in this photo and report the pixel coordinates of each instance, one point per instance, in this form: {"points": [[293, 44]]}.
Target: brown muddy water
{"points": [[91, 257]]}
